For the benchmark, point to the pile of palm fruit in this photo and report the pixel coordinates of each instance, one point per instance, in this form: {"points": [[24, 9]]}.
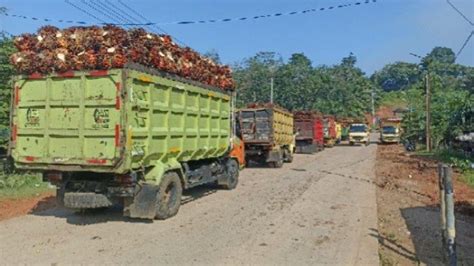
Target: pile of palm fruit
{"points": [[100, 48]]}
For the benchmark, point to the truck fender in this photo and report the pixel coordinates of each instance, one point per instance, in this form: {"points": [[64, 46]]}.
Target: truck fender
{"points": [[144, 203], [156, 172]]}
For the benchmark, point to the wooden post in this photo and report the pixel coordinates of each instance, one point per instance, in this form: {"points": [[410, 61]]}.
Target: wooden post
{"points": [[428, 113], [442, 203], [450, 219]]}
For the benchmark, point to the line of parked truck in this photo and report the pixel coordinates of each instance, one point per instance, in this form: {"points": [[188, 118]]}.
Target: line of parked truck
{"points": [[139, 137]]}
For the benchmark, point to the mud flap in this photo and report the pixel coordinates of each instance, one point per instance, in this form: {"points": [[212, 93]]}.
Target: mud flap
{"points": [[274, 156], [144, 203], [306, 149]]}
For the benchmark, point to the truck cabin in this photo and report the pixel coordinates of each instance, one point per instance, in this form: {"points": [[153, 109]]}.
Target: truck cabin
{"points": [[390, 130], [358, 128]]}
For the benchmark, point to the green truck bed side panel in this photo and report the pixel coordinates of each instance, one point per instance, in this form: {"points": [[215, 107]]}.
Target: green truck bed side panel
{"points": [[116, 122]]}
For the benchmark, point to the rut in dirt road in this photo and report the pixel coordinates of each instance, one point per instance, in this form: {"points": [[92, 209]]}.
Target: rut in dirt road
{"points": [[303, 213]]}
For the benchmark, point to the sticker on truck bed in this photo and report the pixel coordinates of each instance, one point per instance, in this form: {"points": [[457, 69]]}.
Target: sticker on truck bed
{"points": [[32, 117], [101, 118]]}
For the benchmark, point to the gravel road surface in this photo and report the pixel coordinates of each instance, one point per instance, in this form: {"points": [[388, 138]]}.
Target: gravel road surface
{"points": [[317, 210]]}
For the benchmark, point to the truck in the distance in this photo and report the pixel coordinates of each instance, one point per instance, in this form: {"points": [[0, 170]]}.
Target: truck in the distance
{"points": [[133, 135], [309, 132], [330, 131], [390, 130], [359, 133], [267, 132]]}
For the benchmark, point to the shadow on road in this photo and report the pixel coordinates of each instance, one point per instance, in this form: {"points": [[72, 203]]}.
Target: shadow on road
{"points": [[48, 207], [424, 226], [393, 245]]}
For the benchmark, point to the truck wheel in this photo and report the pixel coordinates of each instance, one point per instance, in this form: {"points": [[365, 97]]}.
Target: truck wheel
{"points": [[232, 168], [288, 156], [278, 164], [169, 196]]}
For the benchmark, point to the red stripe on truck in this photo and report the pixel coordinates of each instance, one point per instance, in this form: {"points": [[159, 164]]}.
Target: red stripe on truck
{"points": [[117, 135], [98, 73], [14, 132], [35, 76], [67, 74], [30, 158], [96, 161], [17, 95]]}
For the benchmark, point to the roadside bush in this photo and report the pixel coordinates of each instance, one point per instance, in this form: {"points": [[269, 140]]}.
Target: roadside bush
{"points": [[17, 181]]}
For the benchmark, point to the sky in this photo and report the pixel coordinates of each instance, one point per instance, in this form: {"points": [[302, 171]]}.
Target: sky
{"points": [[377, 33]]}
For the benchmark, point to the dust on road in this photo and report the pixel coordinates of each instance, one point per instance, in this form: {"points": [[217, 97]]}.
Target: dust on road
{"points": [[305, 213]]}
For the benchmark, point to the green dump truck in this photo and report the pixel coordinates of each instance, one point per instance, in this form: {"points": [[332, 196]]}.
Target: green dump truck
{"points": [[268, 134], [133, 135]]}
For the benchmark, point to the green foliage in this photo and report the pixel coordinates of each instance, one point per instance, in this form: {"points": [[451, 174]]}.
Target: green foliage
{"points": [[346, 92], [6, 72], [340, 90], [455, 158], [253, 75], [452, 98], [397, 76], [441, 55], [393, 99], [21, 185]]}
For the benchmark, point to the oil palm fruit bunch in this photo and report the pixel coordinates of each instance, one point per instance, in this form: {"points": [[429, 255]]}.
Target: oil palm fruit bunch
{"points": [[94, 47]]}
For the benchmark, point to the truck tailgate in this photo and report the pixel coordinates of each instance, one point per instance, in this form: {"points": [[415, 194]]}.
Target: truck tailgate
{"points": [[73, 119]]}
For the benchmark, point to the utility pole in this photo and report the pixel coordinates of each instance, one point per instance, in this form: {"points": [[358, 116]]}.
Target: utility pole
{"points": [[428, 112], [271, 90], [373, 107]]}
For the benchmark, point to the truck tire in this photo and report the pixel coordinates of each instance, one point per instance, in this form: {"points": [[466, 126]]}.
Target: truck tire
{"points": [[288, 156], [169, 195], [277, 164], [232, 167]]}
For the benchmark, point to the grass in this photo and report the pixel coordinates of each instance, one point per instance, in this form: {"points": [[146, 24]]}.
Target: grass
{"points": [[457, 159], [21, 186]]}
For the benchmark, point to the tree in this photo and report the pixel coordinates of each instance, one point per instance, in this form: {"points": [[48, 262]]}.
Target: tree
{"points": [[6, 72], [345, 91], [295, 83], [439, 54], [253, 75], [396, 76]]}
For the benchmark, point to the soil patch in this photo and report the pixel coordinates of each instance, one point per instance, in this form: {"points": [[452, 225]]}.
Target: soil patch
{"points": [[10, 208], [408, 210]]}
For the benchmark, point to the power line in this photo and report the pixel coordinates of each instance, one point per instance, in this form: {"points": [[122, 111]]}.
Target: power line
{"points": [[469, 21], [78, 8], [140, 15], [136, 13], [112, 12], [131, 18], [187, 22], [100, 11], [465, 43], [460, 13]]}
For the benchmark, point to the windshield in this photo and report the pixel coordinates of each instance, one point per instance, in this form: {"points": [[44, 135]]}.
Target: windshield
{"points": [[389, 130], [358, 128]]}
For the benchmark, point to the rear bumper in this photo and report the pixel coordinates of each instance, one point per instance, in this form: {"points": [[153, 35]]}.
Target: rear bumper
{"points": [[390, 139], [89, 200], [358, 139]]}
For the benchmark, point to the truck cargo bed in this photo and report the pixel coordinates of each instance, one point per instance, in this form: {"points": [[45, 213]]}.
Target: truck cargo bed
{"points": [[115, 120]]}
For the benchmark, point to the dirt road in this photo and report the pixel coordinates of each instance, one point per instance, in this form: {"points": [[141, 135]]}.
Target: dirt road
{"points": [[316, 210]]}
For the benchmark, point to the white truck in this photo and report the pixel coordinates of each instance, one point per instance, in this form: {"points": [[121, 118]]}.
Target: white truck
{"points": [[359, 133]]}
